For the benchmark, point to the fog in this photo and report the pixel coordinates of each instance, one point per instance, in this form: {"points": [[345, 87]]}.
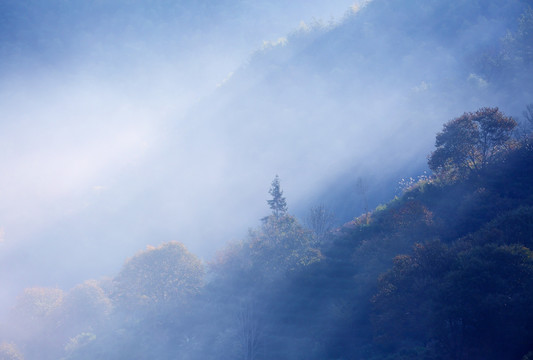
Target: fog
{"points": [[126, 125], [92, 97]]}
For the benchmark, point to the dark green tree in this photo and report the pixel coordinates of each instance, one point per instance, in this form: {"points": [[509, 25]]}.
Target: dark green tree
{"points": [[466, 302], [278, 204]]}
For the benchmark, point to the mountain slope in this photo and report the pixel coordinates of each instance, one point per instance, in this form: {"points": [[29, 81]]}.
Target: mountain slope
{"points": [[376, 85]]}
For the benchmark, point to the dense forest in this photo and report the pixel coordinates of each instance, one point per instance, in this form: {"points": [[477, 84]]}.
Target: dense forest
{"points": [[444, 271]]}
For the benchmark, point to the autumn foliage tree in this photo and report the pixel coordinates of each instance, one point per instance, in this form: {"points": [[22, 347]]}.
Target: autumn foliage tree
{"points": [[470, 142], [162, 277]]}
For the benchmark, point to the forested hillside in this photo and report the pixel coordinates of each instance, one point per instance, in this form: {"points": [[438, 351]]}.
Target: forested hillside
{"points": [[388, 73], [445, 271], [136, 122]]}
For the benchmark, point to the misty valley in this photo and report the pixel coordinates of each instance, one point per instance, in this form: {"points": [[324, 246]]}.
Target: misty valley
{"points": [[443, 271], [392, 142]]}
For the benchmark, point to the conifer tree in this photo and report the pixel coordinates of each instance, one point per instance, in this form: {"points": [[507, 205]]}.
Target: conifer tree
{"points": [[278, 204]]}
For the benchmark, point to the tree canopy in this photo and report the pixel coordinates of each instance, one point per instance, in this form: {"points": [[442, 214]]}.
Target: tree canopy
{"points": [[470, 142], [166, 275]]}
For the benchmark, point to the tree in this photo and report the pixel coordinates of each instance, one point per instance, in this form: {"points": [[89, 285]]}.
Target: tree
{"points": [[281, 244], [278, 204], [320, 221], [488, 296], [159, 278], [471, 302], [34, 322], [470, 142], [403, 306], [85, 308]]}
